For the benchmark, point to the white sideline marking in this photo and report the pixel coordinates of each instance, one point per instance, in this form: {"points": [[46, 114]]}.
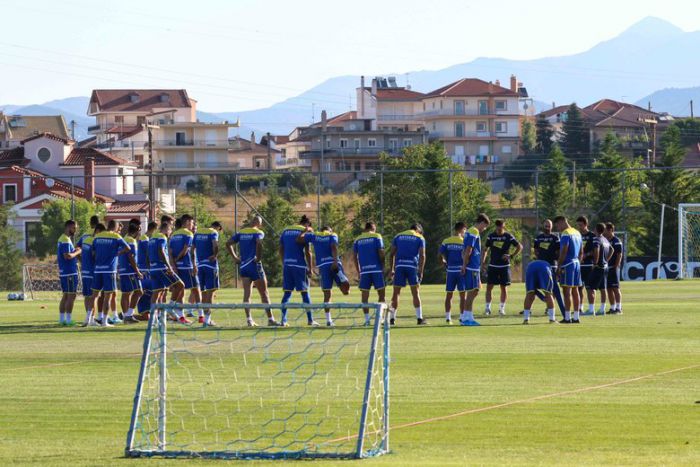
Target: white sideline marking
{"points": [[44, 366], [525, 401]]}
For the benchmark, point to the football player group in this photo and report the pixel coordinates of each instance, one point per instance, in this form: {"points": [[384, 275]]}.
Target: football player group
{"points": [[175, 256]]}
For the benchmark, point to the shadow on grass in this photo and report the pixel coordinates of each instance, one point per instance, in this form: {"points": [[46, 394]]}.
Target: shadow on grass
{"points": [[24, 328]]}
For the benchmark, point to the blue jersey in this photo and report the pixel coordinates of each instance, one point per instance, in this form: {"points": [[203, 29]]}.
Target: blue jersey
{"points": [[604, 248], [179, 240], [408, 245], [473, 239], [323, 246], [570, 238], [367, 247], [293, 251], [106, 247], [156, 244], [616, 245], [66, 267], [125, 267], [142, 253], [247, 240], [452, 249], [204, 247], [87, 262]]}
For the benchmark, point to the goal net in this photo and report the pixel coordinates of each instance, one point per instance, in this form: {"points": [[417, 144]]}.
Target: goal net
{"points": [[689, 241], [238, 392], [41, 281]]}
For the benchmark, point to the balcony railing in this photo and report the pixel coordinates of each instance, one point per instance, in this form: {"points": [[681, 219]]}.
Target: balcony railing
{"points": [[468, 113], [348, 152], [186, 165], [396, 118], [464, 134], [192, 142]]}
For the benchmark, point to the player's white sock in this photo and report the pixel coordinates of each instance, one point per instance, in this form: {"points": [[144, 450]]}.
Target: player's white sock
{"points": [[619, 305], [567, 315], [602, 308], [328, 317], [392, 313], [129, 312], [550, 313], [488, 306], [207, 317], [61, 317], [419, 312], [462, 315], [502, 307], [577, 315], [69, 316], [591, 308], [468, 316], [448, 316], [526, 315], [88, 316], [200, 312]]}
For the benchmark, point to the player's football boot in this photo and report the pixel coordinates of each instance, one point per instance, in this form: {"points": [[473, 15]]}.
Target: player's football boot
{"points": [[272, 323], [422, 322], [392, 321], [313, 324], [469, 322], [252, 324], [183, 320], [565, 321]]}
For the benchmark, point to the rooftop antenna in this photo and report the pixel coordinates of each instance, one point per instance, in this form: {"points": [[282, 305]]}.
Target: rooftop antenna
{"points": [[313, 113], [408, 85]]}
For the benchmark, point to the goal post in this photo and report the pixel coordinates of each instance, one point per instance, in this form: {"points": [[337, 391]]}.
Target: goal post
{"points": [[42, 281], [688, 240], [236, 392]]}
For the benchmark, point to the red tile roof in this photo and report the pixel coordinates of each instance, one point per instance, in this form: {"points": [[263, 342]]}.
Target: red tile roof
{"points": [[398, 94], [560, 109], [119, 100], [78, 156], [128, 207], [472, 87], [14, 156], [608, 112], [349, 115], [47, 135]]}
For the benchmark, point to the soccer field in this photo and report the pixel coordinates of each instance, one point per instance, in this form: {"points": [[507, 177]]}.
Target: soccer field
{"points": [[621, 390]]}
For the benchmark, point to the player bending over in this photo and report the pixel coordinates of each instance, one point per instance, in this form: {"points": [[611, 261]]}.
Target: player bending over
{"points": [[547, 249], [67, 258], [569, 268], [499, 243], [296, 261], [163, 278], [450, 256], [206, 245], [250, 267], [368, 256], [614, 295], [471, 268], [129, 283], [538, 278], [330, 268]]}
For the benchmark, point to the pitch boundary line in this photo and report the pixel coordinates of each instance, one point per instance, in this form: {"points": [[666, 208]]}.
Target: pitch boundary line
{"points": [[525, 401], [49, 365]]}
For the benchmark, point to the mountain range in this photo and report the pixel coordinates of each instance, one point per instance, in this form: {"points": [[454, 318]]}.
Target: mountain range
{"points": [[651, 61]]}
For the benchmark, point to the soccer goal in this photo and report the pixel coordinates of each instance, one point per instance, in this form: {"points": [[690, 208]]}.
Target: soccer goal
{"points": [[41, 281], [236, 392], [689, 241]]}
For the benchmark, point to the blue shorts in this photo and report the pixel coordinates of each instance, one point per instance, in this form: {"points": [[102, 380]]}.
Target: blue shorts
{"points": [[455, 280], [160, 280], [372, 279], [472, 280], [597, 279], [145, 300], [613, 278], [402, 276], [294, 278], [498, 275], [208, 278], [539, 279], [129, 283], [252, 270], [105, 282], [328, 276], [87, 286], [69, 284], [570, 275], [189, 278]]}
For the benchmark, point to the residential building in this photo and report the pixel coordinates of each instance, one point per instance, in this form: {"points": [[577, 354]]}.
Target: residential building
{"points": [[46, 167], [389, 106], [182, 146], [247, 154], [15, 128]]}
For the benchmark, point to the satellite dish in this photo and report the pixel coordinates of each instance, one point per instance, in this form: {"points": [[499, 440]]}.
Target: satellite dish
{"points": [[49, 182]]}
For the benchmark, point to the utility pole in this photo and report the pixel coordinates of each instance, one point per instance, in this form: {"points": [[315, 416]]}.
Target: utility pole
{"points": [[269, 152], [652, 122], [72, 125], [692, 114], [151, 188]]}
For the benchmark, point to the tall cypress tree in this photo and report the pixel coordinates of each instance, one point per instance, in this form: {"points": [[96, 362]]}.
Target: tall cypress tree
{"points": [[555, 191], [575, 135]]}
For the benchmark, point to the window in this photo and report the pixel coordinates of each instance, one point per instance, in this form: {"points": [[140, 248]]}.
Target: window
{"points": [[140, 120], [459, 129], [357, 166], [342, 165], [441, 104], [356, 143], [393, 144], [372, 142], [9, 193], [501, 127], [343, 142], [459, 107], [407, 142], [372, 165], [44, 154], [119, 119], [483, 107], [507, 149], [328, 143], [434, 126], [32, 235], [481, 127], [501, 105]]}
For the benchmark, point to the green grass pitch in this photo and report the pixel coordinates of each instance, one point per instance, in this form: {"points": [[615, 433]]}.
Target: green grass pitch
{"points": [[621, 390]]}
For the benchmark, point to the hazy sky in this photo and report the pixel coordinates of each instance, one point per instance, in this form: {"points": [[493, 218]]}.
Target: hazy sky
{"points": [[242, 54]]}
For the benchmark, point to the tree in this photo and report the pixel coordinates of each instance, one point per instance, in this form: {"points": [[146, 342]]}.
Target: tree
{"points": [[555, 190], [279, 213], [197, 207], [528, 138], [422, 196], [689, 130], [338, 215], [10, 256], [544, 135], [55, 214], [575, 138]]}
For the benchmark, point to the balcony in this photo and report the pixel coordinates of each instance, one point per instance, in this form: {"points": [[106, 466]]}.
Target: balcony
{"points": [[200, 143], [349, 152], [464, 134], [93, 128], [489, 113], [199, 165], [398, 118]]}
